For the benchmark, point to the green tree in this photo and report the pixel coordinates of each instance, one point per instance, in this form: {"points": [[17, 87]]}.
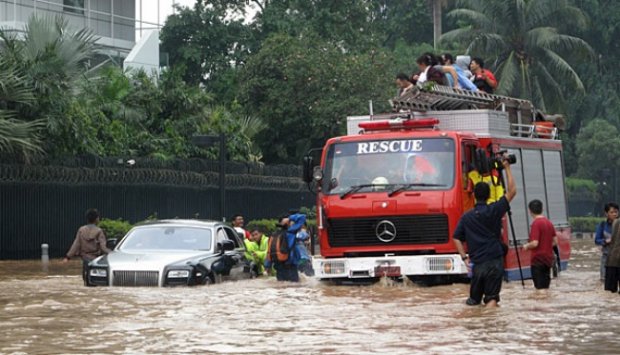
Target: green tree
{"points": [[523, 40], [303, 89], [52, 59], [596, 148], [204, 43], [17, 137]]}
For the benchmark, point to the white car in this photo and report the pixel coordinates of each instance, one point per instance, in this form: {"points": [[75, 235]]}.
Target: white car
{"points": [[172, 253]]}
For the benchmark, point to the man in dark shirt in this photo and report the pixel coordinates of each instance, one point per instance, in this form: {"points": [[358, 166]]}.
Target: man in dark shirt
{"points": [[542, 240], [481, 229]]}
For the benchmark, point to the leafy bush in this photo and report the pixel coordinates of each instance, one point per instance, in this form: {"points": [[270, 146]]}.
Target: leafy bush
{"points": [[115, 228], [581, 189], [269, 225], [584, 224], [266, 225]]}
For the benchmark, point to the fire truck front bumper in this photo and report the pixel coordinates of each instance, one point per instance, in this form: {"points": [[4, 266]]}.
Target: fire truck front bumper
{"points": [[390, 266]]}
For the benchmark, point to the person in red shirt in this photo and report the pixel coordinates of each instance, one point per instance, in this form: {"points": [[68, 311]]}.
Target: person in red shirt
{"points": [[542, 239], [483, 78]]}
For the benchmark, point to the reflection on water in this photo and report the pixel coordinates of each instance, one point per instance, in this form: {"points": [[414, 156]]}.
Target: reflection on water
{"points": [[51, 312]]}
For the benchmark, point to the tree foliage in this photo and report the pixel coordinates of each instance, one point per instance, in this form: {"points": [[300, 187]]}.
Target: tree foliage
{"points": [[596, 145], [303, 89], [525, 41]]}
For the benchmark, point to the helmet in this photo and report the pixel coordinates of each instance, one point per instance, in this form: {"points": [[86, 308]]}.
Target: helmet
{"points": [[379, 180]]}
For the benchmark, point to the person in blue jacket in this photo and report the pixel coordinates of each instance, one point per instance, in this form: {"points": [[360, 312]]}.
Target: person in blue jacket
{"points": [[288, 228], [464, 82], [603, 234]]}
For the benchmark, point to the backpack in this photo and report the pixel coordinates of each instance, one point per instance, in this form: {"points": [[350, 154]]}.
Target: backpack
{"points": [[278, 247]]}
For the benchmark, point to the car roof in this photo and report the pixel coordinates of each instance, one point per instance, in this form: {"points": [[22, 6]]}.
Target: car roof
{"points": [[182, 222]]}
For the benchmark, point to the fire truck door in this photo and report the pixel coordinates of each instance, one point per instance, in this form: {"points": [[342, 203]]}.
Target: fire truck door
{"points": [[467, 164]]}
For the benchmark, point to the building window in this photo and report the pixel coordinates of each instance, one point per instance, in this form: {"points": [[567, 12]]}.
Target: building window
{"points": [[74, 6]]}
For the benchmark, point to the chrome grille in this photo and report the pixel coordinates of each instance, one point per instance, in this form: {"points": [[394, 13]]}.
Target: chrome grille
{"points": [[135, 278], [412, 229]]}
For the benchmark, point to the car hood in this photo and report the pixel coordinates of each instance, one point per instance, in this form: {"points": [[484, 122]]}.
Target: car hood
{"points": [[151, 259]]}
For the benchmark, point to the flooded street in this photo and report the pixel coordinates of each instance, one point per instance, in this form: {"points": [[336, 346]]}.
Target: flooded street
{"points": [[52, 312]]}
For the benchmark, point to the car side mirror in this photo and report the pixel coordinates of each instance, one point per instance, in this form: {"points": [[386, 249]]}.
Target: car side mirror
{"points": [[111, 243], [226, 245]]}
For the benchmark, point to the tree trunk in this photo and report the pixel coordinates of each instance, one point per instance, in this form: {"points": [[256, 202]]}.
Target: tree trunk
{"points": [[437, 5]]}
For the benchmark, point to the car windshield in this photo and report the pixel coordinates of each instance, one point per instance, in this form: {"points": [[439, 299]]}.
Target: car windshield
{"points": [[168, 237], [382, 165]]}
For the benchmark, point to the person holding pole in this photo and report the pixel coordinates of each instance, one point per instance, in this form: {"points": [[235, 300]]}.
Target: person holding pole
{"points": [[481, 229]]}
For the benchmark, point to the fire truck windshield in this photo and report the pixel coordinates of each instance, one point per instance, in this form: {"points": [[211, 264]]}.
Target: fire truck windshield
{"points": [[389, 165]]}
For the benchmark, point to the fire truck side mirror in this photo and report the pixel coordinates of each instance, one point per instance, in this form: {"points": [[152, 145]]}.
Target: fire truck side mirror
{"points": [[317, 174], [307, 169]]}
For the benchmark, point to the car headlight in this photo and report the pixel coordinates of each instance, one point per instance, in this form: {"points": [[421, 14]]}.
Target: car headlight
{"points": [[177, 274], [99, 272]]}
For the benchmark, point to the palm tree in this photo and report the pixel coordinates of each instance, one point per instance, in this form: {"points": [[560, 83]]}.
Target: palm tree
{"points": [[16, 137], [53, 59], [523, 43]]}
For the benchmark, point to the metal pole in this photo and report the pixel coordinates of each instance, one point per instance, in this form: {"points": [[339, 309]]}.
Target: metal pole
{"points": [[223, 176], [45, 256], [112, 20], [14, 11], [88, 15], [141, 19]]}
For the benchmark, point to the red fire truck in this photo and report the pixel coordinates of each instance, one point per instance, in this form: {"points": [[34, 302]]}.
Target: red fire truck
{"points": [[391, 192]]}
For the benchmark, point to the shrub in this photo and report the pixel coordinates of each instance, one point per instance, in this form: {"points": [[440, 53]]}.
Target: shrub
{"points": [[269, 225], [115, 228], [584, 224], [581, 189]]}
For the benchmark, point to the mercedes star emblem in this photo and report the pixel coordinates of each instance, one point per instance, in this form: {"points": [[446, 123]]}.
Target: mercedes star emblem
{"points": [[386, 231]]}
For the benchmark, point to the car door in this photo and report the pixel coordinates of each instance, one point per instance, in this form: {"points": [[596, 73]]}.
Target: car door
{"points": [[241, 266]]}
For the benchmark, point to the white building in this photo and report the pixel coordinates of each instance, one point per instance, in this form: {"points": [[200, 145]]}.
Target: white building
{"points": [[123, 34]]}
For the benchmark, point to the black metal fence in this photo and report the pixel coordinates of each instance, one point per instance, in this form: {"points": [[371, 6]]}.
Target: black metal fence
{"points": [[45, 203]]}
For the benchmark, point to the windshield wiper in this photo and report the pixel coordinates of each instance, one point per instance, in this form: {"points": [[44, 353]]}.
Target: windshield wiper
{"points": [[355, 188], [403, 187]]}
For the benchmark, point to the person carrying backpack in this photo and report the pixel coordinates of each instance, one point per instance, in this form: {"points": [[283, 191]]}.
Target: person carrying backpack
{"points": [[282, 253]]}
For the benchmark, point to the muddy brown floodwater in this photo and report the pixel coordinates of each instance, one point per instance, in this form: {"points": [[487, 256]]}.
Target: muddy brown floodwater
{"points": [[51, 312]]}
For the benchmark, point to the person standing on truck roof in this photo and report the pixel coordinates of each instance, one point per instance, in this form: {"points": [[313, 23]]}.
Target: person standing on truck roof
{"points": [[483, 78], [448, 60], [603, 234], [403, 83], [542, 239], [481, 229], [431, 70]]}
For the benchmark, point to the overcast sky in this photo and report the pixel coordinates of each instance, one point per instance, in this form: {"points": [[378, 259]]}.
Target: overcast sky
{"points": [[147, 10]]}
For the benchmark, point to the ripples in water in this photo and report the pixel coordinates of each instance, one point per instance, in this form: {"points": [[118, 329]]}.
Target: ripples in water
{"points": [[51, 312]]}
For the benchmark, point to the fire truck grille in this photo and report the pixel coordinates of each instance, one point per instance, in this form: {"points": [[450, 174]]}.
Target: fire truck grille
{"points": [[417, 229]]}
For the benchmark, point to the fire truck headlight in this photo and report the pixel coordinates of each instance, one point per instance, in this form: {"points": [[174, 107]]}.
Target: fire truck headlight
{"points": [[333, 267]]}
